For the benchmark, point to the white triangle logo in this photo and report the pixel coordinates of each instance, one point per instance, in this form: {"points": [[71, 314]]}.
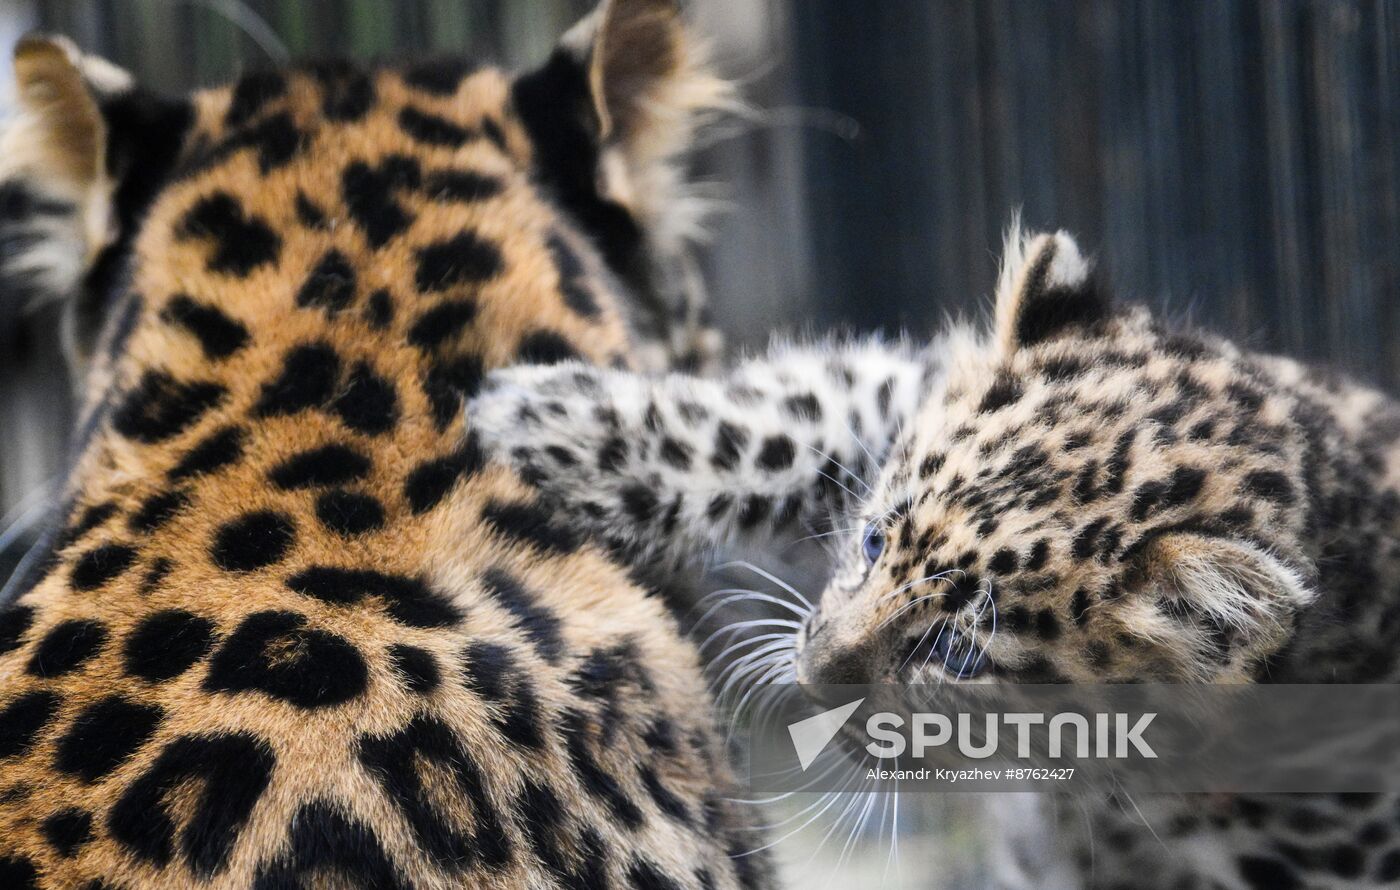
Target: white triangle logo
{"points": [[810, 736]]}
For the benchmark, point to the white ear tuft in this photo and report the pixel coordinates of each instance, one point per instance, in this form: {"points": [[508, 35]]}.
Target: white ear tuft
{"points": [[1045, 287], [1235, 588], [1237, 582]]}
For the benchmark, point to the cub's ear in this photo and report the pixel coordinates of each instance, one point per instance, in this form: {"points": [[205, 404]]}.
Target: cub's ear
{"points": [[1045, 288], [1234, 600]]}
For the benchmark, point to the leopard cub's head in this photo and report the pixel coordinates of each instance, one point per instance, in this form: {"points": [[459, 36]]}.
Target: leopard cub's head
{"points": [[1087, 496]]}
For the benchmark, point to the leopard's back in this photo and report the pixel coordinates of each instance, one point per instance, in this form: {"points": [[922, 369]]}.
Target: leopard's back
{"points": [[296, 627]]}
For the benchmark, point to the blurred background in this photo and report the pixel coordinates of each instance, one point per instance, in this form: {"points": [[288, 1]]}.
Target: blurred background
{"points": [[1235, 163]]}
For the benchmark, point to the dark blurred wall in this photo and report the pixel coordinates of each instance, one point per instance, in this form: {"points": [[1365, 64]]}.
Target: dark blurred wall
{"points": [[1235, 162]]}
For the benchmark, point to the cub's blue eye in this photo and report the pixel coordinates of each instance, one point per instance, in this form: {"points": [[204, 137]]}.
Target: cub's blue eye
{"points": [[874, 543]]}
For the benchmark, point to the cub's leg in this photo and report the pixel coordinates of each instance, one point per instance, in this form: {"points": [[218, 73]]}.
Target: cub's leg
{"points": [[661, 467]]}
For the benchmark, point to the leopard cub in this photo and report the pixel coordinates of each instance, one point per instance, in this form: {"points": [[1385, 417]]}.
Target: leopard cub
{"points": [[1082, 493]]}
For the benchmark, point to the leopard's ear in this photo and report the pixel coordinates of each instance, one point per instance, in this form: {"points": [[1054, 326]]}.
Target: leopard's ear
{"points": [[1234, 601], [629, 79], [56, 147], [1045, 289], [610, 115], [64, 122], [85, 154], [647, 74]]}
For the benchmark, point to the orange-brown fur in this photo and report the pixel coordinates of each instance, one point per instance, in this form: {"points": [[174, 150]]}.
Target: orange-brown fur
{"points": [[448, 545]]}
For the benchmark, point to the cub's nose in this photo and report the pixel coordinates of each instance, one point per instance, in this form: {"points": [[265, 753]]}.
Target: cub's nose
{"points": [[824, 660]]}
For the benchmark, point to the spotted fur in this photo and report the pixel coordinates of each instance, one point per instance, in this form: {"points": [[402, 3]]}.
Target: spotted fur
{"points": [[296, 629], [659, 468], [1083, 494]]}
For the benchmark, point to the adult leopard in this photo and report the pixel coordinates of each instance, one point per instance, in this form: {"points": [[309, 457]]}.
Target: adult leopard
{"points": [[296, 630]]}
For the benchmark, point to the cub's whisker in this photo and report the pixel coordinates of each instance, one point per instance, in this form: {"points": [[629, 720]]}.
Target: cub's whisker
{"points": [[731, 629], [768, 576], [919, 645]]}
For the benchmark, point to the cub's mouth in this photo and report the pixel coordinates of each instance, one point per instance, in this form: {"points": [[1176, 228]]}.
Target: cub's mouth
{"points": [[954, 654], [936, 654]]}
